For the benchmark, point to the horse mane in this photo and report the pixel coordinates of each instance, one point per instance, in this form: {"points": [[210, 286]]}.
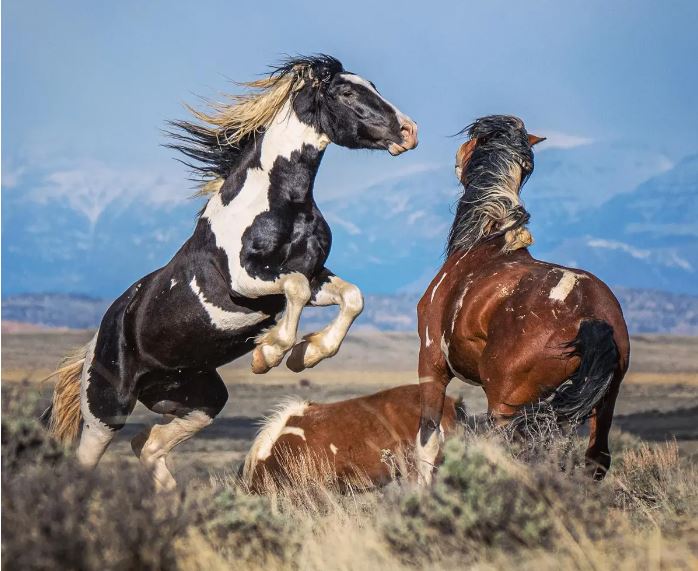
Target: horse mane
{"points": [[490, 205], [215, 139], [269, 432]]}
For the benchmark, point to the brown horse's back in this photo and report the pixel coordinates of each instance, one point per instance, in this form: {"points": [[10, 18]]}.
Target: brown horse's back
{"points": [[348, 437], [505, 313]]}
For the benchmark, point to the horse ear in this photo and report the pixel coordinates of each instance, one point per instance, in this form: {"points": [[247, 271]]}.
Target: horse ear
{"points": [[535, 139], [463, 155]]}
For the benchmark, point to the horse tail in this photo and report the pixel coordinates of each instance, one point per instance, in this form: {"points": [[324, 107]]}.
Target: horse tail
{"points": [[575, 399], [63, 416], [461, 411]]}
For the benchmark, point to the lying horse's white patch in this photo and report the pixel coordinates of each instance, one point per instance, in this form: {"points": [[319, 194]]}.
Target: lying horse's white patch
{"points": [[333, 448], [564, 286], [295, 430], [273, 427], [223, 319]]}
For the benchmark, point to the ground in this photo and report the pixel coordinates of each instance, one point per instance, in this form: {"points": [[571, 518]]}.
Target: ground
{"points": [[658, 401]]}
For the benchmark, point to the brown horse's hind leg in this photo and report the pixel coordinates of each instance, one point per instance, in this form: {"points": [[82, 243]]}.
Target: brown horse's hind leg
{"points": [[598, 455]]}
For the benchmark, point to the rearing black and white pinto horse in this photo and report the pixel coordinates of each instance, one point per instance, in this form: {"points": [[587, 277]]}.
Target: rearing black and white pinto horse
{"points": [[255, 260]]}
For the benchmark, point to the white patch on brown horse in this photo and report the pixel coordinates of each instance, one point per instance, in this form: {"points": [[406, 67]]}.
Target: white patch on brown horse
{"points": [[295, 430], [444, 350], [426, 456], [433, 292], [333, 449], [272, 428], [564, 286], [428, 341]]}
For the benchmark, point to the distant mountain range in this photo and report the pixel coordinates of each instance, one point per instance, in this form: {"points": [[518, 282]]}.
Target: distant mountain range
{"points": [[647, 311], [623, 212]]}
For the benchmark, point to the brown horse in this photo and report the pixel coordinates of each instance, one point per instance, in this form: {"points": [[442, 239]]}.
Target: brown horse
{"points": [[522, 329], [347, 438]]}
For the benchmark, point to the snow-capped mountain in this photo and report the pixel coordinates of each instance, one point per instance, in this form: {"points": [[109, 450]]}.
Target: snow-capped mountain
{"points": [[623, 212]]}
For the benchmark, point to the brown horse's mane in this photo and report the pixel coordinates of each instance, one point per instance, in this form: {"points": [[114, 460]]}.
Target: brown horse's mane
{"points": [[490, 206]]}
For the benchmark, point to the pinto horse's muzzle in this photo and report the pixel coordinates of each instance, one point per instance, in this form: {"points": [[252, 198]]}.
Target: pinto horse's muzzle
{"points": [[408, 130]]}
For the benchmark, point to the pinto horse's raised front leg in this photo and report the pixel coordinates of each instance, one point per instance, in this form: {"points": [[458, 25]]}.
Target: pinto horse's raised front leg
{"points": [[328, 289], [273, 344]]}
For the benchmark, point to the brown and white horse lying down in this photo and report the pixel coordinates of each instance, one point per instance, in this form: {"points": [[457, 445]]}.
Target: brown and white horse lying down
{"points": [[496, 317], [348, 437]]}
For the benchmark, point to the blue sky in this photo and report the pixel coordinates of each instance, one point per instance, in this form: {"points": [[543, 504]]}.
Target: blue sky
{"points": [[92, 83]]}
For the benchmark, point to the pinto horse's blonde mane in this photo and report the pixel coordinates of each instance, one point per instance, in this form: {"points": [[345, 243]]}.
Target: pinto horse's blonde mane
{"points": [[242, 115], [215, 138]]}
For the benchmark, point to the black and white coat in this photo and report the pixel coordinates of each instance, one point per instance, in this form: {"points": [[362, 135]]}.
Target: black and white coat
{"points": [[240, 282]]}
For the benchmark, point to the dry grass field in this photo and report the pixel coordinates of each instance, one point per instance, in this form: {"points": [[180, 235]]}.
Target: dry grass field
{"points": [[489, 509]]}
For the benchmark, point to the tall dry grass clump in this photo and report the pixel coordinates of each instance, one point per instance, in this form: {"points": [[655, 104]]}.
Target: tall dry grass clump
{"points": [[494, 504]]}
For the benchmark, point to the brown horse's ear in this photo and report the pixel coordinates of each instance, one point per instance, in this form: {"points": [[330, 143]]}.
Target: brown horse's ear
{"points": [[463, 155], [535, 139]]}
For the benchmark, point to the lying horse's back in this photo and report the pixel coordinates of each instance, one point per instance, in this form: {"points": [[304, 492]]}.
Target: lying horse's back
{"points": [[348, 438]]}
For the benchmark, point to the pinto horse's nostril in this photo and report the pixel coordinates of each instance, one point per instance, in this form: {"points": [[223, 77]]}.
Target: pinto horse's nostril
{"points": [[409, 134]]}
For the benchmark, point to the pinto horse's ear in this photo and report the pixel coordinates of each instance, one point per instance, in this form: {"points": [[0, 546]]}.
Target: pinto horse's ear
{"points": [[463, 155], [535, 139]]}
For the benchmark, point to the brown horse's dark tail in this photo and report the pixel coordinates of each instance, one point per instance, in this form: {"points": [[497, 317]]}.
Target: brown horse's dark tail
{"points": [[575, 399]]}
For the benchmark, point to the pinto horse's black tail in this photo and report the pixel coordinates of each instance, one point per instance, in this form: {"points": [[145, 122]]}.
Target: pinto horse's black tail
{"points": [[575, 399]]}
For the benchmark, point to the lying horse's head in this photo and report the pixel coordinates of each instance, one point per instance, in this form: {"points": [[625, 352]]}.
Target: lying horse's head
{"points": [[492, 167], [346, 107]]}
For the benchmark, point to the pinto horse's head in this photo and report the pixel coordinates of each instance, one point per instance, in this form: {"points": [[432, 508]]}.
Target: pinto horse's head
{"points": [[348, 108], [495, 140]]}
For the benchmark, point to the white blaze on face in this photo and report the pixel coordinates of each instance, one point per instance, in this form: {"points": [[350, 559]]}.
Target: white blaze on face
{"points": [[564, 286], [357, 79]]}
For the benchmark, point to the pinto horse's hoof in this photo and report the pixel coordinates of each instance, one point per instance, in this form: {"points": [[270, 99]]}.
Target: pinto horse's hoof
{"points": [[308, 353], [295, 360], [259, 363]]}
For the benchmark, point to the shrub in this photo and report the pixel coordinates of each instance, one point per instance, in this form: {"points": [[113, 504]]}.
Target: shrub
{"points": [[654, 484], [247, 528], [482, 497]]}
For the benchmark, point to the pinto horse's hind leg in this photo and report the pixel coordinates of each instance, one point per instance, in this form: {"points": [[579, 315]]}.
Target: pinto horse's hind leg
{"points": [[323, 344], [193, 402], [104, 411], [277, 341]]}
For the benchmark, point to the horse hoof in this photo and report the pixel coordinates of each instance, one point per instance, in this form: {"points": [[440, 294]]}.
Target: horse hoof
{"points": [[259, 363], [295, 360]]}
